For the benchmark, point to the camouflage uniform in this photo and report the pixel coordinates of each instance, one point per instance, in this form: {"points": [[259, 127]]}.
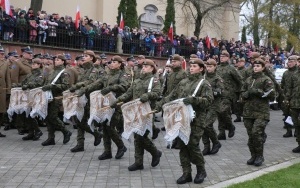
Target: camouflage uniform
{"points": [[239, 105], [52, 120], [256, 111], [114, 81], [138, 89], [232, 82], [217, 85]]}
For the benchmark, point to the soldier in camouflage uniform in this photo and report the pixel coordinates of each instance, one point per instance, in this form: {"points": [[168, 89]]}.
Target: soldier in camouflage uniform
{"points": [[286, 79], [191, 152], [232, 82], [99, 65], [33, 80], [139, 89], [256, 93], [115, 81], [88, 75], [139, 66], [62, 83], [217, 85], [292, 100]]}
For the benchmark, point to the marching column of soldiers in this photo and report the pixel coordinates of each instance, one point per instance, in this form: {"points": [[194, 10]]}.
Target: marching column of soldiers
{"points": [[225, 90]]}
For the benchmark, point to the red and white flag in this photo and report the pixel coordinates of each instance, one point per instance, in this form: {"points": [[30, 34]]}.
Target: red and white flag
{"points": [[207, 42], [77, 18], [6, 6], [121, 21], [170, 33]]}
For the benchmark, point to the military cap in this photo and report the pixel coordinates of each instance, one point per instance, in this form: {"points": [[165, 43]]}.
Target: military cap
{"points": [[193, 56], [196, 61], [293, 57], [37, 60], [211, 62], [255, 55], [61, 56], [131, 58], [13, 53], [241, 60], [177, 57], [141, 57], [225, 53], [2, 50], [97, 57], [47, 56], [27, 50], [103, 56], [117, 58], [79, 57], [89, 52], [68, 57], [37, 55]]}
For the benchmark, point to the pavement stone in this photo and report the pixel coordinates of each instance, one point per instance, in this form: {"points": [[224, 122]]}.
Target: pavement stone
{"points": [[25, 164]]}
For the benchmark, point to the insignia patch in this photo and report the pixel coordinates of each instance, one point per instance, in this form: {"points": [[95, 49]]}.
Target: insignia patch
{"points": [[13, 66]]}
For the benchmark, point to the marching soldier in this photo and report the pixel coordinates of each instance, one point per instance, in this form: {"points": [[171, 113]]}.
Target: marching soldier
{"points": [[5, 85], [256, 93], [139, 66], [233, 83], [116, 82], [138, 89], [191, 152], [56, 82], [99, 64], [88, 75]]}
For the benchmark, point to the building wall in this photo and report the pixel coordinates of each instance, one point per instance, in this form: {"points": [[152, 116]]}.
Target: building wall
{"points": [[106, 11]]}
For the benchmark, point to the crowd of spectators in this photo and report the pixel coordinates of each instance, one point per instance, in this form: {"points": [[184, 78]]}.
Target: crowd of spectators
{"points": [[51, 29]]}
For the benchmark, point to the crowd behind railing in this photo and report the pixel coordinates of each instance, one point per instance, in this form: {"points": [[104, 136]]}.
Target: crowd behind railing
{"points": [[53, 30]]}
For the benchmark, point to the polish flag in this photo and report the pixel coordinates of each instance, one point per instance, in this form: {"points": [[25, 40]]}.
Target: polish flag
{"points": [[170, 33], [207, 42], [77, 18], [121, 21], [6, 6]]}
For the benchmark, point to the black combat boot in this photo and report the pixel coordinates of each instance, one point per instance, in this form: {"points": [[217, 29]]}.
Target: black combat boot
{"points": [[28, 137], [75, 126], [215, 148], [120, 152], [77, 148], [201, 174], [155, 133], [222, 136], [238, 119], [296, 150], [156, 159], [231, 131], [67, 136], [105, 155], [163, 129], [98, 138], [6, 127], [186, 177], [37, 135], [206, 150], [295, 133], [48, 142], [175, 144], [135, 167], [259, 160], [288, 133], [21, 132], [251, 160], [2, 135]]}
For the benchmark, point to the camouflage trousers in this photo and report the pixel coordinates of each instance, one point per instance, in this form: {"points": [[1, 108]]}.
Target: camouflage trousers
{"points": [[142, 143], [255, 129], [191, 152], [295, 113], [83, 127], [52, 120], [110, 132], [235, 105], [209, 131], [30, 123], [224, 117]]}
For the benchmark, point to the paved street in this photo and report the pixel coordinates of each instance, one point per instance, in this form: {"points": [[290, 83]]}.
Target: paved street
{"points": [[28, 164]]}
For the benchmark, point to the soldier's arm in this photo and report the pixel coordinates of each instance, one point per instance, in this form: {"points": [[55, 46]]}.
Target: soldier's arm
{"points": [[8, 80], [122, 86], [237, 77], [63, 83], [205, 98], [97, 85], [37, 82], [155, 92], [244, 90], [268, 86], [128, 95]]}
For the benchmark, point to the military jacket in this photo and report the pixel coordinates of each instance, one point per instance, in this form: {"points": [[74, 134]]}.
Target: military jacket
{"points": [[34, 79], [88, 74], [286, 78], [62, 82], [140, 87], [232, 79], [19, 70], [217, 85], [101, 70], [243, 73], [174, 78], [137, 71], [73, 72], [256, 106], [5, 82], [293, 90]]}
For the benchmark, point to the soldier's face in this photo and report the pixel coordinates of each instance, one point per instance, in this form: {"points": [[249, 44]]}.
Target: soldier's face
{"points": [[27, 55], [2, 55], [195, 68], [130, 63], [147, 69], [258, 68], [176, 63], [115, 65], [211, 68], [87, 58], [224, 59], [35, 66], [240, 64], [58, 62], [292, 63], [97, 62]]}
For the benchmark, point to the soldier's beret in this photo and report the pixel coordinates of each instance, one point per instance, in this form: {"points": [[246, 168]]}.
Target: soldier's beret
{"points": [[259, 61], [79, 57], [97, 57], [193, 56], [27, 50], [61, 56], [293, 57], [196, 61], [141, 57], [37, 60], [177, 57], [117, 58], [13, 53], [255, 55], [2, 51], [89, 52], [211, 62], [241, 60], [149, 62], [225, 53]]}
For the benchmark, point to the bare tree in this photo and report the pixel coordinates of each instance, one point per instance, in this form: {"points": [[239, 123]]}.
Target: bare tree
{"points": [[36, 5]]}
